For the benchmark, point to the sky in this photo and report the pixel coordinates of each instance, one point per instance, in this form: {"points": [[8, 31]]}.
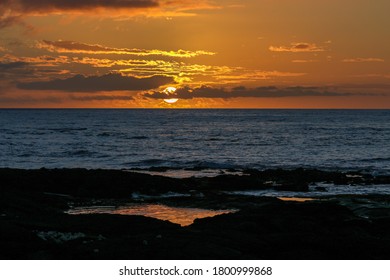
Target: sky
{"points": [[194, 54]]}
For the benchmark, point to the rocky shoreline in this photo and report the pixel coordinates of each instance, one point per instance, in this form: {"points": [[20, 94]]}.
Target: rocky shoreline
{"points": [[35, 225]]}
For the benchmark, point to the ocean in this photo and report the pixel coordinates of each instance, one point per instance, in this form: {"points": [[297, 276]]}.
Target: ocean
{"points": [[204, 139]]}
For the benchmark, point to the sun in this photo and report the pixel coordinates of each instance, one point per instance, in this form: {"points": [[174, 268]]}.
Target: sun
{"points": [[168, 91]]}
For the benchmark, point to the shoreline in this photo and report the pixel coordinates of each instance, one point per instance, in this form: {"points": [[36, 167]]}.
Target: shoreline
{"points": [[35, 224]]}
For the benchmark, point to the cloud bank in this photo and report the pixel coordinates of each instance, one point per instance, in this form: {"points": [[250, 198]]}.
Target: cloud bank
{"points": [[243, 92], [109, 82], [12, 65]]}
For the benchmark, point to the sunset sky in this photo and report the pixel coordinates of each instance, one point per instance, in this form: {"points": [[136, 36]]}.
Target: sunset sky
{"points": [[217, 54]]}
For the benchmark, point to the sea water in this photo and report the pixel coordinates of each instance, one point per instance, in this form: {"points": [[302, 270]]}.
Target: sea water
{"points": [[209, 139]]}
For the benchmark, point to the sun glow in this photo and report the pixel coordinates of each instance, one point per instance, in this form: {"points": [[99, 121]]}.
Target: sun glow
{"points": [[169, 91]]}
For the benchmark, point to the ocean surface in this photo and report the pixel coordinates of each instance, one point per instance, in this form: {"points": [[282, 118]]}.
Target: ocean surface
{"points": [[213, 139]]}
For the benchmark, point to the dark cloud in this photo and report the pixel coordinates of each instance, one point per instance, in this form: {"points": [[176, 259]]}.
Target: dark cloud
{"points": [[12, 65], [302, 46], [109, 82], [209, 92], [6, 21], [12, 11], [15, 69], [64, 5]]}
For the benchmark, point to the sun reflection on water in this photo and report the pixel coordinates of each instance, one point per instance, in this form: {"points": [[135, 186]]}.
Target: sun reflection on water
{"points": [[179, 215]]}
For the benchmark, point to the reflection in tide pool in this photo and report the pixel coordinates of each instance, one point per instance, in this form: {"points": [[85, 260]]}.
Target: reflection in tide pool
{"points": [[178, 215]]}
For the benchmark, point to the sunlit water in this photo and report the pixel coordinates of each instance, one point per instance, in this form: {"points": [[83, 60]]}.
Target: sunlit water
{"points": [[178, 215], [181, 173], [325, 190], [213, 139]]}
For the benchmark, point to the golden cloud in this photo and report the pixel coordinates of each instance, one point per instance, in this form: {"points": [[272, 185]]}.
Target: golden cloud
{"points": [[76, 47], [43, 60], [245, 75], [304, 60], [297, 47], [47, 67], [359, 59]]}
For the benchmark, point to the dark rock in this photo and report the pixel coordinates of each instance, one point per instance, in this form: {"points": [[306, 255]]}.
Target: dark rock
{"points": [[298, 187], [33, 204]]}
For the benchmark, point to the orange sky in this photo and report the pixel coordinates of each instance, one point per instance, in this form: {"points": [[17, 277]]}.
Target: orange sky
{"points": [[218, 54]]}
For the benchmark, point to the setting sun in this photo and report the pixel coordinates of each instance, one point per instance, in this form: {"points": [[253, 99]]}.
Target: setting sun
{"points": [[168, 91]]}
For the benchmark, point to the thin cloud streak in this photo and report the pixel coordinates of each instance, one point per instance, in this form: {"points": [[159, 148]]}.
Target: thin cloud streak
{"points": [[246, 75], [360, 60], [297, 47], [43, 60], [76, 47], [304, 61]]}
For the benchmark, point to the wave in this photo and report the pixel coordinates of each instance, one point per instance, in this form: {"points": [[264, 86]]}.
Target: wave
{"points": [[380, 159], [211, 165], [80, 153], [151, 163], [206, 139], [67, 129], [104, 134], [177, 164], [139, 137], [214, 139], [121, 135]]}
